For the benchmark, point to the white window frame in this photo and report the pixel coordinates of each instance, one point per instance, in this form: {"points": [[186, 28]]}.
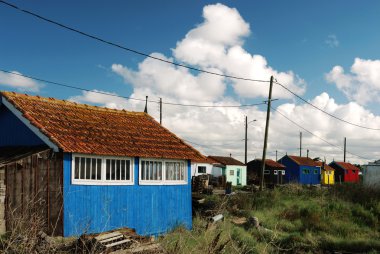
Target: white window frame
{"points": [[283, 172], [205, 168], [275, 172], [164, 181], [267, 172], [102, 180]]}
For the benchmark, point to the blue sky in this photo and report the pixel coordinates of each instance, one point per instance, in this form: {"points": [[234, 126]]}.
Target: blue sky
{"points": [[304, 37]]}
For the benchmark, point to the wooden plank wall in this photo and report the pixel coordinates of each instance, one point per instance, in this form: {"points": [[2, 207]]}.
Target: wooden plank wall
{"points": [[34, 193], [2, 200]]}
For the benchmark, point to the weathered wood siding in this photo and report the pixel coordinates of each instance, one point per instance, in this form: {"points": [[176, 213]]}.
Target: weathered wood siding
{"points": [[2, 200], [150, 210], [34, 192]]}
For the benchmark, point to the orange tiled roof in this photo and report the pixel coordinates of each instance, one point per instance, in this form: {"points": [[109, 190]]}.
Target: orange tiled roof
{"points": [[346, 165], [271, 163], [80, 128], [327, 167], [304, 161], [227, 160]]}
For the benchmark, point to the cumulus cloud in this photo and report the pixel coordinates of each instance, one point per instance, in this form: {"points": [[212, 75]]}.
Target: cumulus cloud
{"points": [[362, 84], [21, 83], [103, 98], [332, 41], [216, 44]]}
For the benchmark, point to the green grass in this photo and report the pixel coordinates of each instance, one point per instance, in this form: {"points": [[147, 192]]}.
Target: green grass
{"points": [[299, 219]]}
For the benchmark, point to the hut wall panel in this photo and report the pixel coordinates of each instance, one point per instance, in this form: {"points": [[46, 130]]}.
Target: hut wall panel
{"points": [[14, 132], [2, 200], [150, 210], [29, 191]]}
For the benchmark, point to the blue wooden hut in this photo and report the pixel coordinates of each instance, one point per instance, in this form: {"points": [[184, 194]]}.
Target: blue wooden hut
{"points": [[301, 170], [104, 168]]}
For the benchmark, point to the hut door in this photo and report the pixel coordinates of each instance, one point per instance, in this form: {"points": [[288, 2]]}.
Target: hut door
{"points": [[238, 180]]}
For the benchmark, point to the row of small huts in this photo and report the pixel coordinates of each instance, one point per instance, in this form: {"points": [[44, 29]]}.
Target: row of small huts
{"points": [[289, 169], [86, 169]]}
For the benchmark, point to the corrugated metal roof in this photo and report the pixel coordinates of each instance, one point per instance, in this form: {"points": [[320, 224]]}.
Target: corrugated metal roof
{"points": [[303, 161], [227, 160], [80, 128]]}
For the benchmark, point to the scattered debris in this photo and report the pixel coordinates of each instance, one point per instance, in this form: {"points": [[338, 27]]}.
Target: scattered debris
{"points": [[217, 217]]}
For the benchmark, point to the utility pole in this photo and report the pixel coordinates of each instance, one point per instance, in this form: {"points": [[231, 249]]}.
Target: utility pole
{"points": [[246, 130], [266, 134], [300, 144], [276, 155], [344, 158], [307, 152], [146, 104], [160, 110]]}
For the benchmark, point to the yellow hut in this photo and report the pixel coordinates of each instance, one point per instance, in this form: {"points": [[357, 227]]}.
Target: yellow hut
{"points": [[327, 174]]}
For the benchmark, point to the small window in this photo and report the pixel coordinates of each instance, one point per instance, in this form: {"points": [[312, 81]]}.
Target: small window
{"points": [[201, 169], [354, 171], [232, 172], [266, 172], [315, 171], [306, 171], [283, 172], [101, 170], [275, 172], [161, 172]]}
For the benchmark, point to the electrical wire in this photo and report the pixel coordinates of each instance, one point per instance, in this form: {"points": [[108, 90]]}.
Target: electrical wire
{"points": [[126, 48], [174, 63], [129, 98], [325, 112], [324, 140]]}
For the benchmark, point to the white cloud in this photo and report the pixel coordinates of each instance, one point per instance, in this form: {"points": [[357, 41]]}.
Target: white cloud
{"points": [[332, 41], [220, 131], [101, 98], [362, 84], [217, 43], [19, 82]]}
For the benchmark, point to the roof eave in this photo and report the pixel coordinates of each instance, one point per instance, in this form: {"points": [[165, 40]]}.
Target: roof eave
{"points": [[28, 124]]}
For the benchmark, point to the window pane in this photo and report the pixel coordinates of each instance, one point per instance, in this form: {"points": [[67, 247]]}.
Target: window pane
{"points": [[128, 169], [88, 168], [159, 171], [123, 170], [118, 170], [183, 171], [99, 169], [151, 170], [108, 169], [82, 168], [93, 169], [113, 169], [76, 175]]}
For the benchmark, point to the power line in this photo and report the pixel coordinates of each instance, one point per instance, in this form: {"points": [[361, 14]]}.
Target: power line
{"points": [[331, 144], [126, 48], [129, 98], [202, 145], [325, 112]]}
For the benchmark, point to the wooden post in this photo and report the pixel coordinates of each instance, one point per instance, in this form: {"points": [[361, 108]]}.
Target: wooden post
{"points": [[266, 134], [245, 149], [160, 110], [300, 144], [344, 157]]}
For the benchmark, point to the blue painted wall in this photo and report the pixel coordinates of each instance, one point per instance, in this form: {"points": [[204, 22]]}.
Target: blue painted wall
{"points": [[294, 172], [13, 132], [150, 210]]}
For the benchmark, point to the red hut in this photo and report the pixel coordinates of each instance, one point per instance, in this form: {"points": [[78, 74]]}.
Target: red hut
{"points": [[345, 172]]}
